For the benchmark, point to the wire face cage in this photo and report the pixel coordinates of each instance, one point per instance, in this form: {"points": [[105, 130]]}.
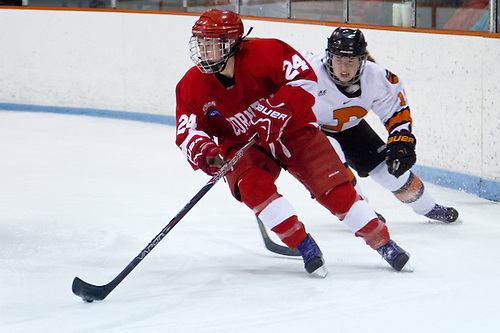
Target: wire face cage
{"points": [[209, 54]]}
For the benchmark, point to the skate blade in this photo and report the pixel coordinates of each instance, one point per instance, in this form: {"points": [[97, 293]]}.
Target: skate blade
{"points": [[457, 221], [321, 272], [408, 268]]}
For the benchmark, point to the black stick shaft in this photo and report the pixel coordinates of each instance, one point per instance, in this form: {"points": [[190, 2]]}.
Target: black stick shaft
{"points": [[90, 292]]}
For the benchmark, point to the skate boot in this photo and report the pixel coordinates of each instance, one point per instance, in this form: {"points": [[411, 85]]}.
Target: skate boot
{"points": [[313, 258], [443, 214], [394, 255]]}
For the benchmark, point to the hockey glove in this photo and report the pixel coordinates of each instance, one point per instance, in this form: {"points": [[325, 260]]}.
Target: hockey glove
{"points": [[207, 157], [400, 155], [270, 120]]}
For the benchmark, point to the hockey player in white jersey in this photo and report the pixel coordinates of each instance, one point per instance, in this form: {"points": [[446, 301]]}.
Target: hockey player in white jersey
{"points": [[349, 87]]}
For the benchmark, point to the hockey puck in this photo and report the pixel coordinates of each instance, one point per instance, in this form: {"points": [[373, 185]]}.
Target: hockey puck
{"points": [[88, 300]]}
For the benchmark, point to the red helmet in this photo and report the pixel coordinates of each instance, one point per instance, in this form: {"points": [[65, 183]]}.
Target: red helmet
{"points": [[217, 36], [219, 23]]}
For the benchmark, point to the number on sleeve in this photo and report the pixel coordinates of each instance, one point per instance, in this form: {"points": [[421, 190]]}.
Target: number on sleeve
{"points": [[402, 101], [186, 122], [292, 68]]}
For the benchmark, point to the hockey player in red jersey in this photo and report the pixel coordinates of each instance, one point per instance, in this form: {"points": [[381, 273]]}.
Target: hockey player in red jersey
{"points": [[239, 87], [349, 87]]}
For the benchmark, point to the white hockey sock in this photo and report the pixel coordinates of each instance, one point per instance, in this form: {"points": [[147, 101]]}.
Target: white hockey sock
{"points": [[408, 188], [359, 215], [276, 212]]}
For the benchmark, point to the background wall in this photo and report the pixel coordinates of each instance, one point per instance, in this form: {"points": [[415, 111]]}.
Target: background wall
{"points": [[132, 62]]}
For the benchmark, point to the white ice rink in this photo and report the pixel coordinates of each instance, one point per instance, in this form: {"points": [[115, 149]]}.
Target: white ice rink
{"points": [[82, 196]]}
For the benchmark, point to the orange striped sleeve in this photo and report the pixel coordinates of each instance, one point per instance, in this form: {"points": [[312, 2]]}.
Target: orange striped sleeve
{"points": [[401, 117]]}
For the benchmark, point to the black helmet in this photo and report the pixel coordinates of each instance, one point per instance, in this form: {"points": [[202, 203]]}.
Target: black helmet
{"points": [[345, 42]]}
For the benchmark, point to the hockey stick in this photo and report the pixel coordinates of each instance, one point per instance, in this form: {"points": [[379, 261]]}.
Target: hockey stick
{"points": [[90, 293], [272, 246]]}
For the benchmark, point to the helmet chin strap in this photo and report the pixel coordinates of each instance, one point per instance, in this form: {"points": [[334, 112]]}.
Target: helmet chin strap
{"points": [[224, 64]]}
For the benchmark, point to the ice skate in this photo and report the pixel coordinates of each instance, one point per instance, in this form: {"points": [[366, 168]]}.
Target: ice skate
{"points": [[313, 258], [394, 255], [443, 214]]}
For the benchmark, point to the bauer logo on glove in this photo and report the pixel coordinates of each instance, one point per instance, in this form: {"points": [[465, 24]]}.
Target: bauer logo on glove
{"points": [[403, 138], [400, 156], [270, 120], [270, 112]]}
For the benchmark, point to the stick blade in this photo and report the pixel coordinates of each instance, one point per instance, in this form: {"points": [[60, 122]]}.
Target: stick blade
{"points": [[283, 250], [89, 292], [272, 246]]}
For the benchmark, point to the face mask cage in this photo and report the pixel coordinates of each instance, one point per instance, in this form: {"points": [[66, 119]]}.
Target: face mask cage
{"points": [[355, 79], [209, 54]]}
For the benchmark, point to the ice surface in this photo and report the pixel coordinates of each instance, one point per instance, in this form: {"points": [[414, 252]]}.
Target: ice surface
{"points": [[82, 196]]}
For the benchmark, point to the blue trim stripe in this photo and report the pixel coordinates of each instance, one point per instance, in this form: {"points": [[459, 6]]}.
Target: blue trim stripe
{"points": [[134, 116], [484, 188]]}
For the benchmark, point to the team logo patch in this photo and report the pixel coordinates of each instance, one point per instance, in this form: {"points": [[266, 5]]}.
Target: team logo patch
{"points": [[213, 113], [392, 78]]}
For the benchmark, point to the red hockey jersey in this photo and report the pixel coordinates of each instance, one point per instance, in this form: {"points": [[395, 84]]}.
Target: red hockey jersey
{"points": [[263, 68]]}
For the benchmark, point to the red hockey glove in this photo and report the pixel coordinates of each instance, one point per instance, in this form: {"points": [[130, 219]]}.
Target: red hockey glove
{"points": [[270, 120], [207, 157], [400, 155]]}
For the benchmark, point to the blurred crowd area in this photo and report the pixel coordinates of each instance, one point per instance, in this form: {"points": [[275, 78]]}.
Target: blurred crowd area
{"points": [[464, 15]]}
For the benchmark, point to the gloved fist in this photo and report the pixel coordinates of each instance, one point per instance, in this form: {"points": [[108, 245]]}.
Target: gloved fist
{"points": [[207, 157], [400, 155], [270, 120]]}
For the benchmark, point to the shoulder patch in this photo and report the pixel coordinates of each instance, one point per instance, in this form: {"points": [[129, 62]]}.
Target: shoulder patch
{"points": [[392, 78], [213, 113]]}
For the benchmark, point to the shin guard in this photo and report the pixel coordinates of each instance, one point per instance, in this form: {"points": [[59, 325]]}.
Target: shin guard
{"points": [[411, 191], [291, 231], [375, 234], [256, 187], [414, 194], [339, 199]]}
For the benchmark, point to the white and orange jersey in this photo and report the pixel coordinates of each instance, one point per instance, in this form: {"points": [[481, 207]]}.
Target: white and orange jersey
{"points": [[381, 91]]}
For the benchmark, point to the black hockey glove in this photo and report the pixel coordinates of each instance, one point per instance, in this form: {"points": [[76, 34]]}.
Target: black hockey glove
{"points": [[400, 155]]}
